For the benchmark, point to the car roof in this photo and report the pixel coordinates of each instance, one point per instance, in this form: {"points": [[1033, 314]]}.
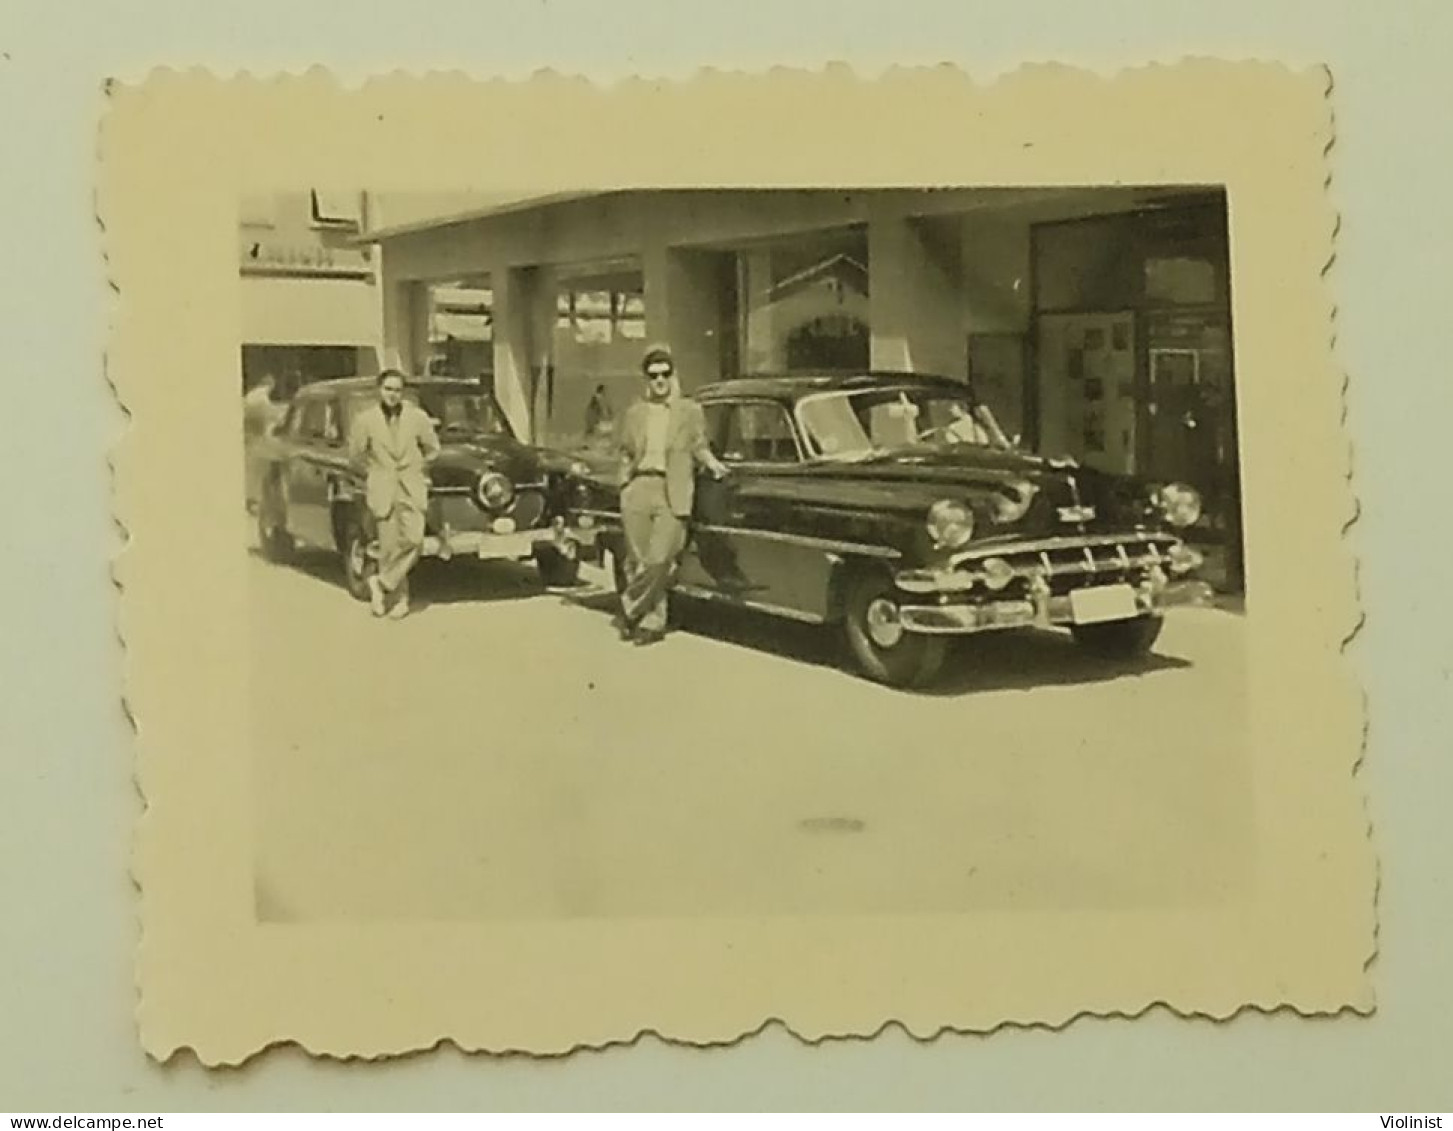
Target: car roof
{"points": [[794, 386]]}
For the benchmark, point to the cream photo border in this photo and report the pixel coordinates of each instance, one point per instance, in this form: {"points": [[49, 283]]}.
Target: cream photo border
{"points": [[176, 153]]}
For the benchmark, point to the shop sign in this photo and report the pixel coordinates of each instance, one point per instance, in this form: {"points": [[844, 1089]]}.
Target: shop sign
{"points": [[277, 257]]}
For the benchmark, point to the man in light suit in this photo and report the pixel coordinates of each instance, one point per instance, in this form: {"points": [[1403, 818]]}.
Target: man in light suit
{"points": [[394, 442], [663, 442]]}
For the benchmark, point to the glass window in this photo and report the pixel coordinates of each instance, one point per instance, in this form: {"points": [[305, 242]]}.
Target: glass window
{"points": [[803, 303], [462, 411], [312, 419], [857, 424], [1087, 265], [759, 432], [344, 209]]}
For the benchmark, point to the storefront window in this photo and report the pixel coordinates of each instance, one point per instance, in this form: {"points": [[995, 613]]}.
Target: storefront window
{"points": [[599, 317], [461, 329], [1087, 265], [804, 303], [1134, 370], [595, 355]]}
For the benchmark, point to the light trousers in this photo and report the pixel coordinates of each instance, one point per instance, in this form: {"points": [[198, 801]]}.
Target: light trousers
{"points": [[655, 538], [400, 538]]}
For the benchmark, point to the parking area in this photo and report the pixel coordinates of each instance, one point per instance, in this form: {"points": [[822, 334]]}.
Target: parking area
{"points": [[501, 754]]}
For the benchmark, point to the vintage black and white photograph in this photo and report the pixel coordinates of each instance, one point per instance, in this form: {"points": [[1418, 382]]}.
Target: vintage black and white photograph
{"points": [[699, 574], [950, 472]]}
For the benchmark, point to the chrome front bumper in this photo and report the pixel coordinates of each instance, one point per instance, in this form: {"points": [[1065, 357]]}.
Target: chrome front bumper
{"points": [[1047, 612], [513, 545], [969, 595]]}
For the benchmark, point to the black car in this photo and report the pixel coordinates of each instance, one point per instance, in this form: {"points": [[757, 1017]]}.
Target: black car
{"points": [[490, 495], [889, 504]]}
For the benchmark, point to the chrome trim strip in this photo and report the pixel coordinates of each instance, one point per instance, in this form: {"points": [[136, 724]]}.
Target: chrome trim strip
{"points": [[829, 544], [761, 606]]}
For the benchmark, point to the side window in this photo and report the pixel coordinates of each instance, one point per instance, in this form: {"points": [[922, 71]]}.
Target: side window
{"points": [[312, 420], [716, 419], [759, 432]]}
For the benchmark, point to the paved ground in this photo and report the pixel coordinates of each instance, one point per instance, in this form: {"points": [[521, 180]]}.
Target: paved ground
{"points": [[501, 754]]}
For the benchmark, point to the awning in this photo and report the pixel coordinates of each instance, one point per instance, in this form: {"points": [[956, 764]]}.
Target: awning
{"points": [[310, 312]]}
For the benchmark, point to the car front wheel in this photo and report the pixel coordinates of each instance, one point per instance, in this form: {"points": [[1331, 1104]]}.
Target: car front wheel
{"points": [[885, 651], [1118, 639], [358, 563]]}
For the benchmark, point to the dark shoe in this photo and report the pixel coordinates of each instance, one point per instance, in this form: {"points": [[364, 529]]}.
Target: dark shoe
{"points": [[645, 636]]}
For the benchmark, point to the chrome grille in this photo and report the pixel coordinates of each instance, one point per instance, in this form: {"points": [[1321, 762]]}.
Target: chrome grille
{"points": [[1061, 564], [1061, 557]]}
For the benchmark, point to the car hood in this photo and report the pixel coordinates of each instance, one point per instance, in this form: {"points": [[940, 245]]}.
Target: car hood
{"points": [[463, 459], [1066, 495]]}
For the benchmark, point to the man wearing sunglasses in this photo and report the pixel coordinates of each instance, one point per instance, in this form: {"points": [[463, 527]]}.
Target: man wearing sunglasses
{"points": [[663, 442]]}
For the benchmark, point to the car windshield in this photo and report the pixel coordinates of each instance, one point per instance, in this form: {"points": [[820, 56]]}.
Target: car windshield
{"points": [[863, 422], [457, 412], [460, 411]]}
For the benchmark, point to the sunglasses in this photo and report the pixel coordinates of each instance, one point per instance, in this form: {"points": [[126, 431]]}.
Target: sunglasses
{"points": [[659, 374]]}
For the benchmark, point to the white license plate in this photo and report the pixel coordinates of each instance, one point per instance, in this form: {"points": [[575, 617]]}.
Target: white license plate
{"points": [[519, 545], [1103, 603]]}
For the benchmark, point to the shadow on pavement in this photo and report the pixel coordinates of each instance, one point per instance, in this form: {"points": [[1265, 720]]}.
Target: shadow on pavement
{"points": [[1019, 659], [433, 582], [1012, 659]]}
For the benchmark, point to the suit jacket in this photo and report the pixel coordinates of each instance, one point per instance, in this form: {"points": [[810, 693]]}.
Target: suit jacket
{"points": [[686, 449], [396, 458]]}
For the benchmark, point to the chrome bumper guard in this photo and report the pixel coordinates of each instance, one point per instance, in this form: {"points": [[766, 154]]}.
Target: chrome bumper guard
{"points": [[1161, 564]]}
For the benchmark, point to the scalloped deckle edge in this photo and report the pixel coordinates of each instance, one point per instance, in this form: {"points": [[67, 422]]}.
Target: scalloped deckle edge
{"points": [[196, 943]]}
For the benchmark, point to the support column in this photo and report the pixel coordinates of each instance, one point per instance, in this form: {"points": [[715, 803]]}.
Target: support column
{"points": [[521, 350], [914, 304], [684, 308], [405, 325]]}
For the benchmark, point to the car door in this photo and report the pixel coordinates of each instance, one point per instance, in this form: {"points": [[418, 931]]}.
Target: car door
{"points": [[307, 473], [748, 544]]}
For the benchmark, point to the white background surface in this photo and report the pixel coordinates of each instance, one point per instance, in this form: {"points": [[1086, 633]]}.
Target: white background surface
{"points": [[66, 804]]}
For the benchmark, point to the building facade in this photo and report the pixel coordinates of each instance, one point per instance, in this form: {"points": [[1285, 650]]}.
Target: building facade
{"points": [[1096, 323], [310, 306]]}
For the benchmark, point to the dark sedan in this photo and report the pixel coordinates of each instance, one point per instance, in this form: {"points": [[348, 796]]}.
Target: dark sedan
{"points": [[490, 495], [890, 505]]}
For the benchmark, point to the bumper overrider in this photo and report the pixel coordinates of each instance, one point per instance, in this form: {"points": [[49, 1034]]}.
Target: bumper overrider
{"points": [[1051, 582]]}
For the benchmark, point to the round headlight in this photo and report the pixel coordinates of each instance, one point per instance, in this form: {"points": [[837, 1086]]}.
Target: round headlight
{"points": [[1179, 504], [950, 523], [496, 491], [580, 470]]}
